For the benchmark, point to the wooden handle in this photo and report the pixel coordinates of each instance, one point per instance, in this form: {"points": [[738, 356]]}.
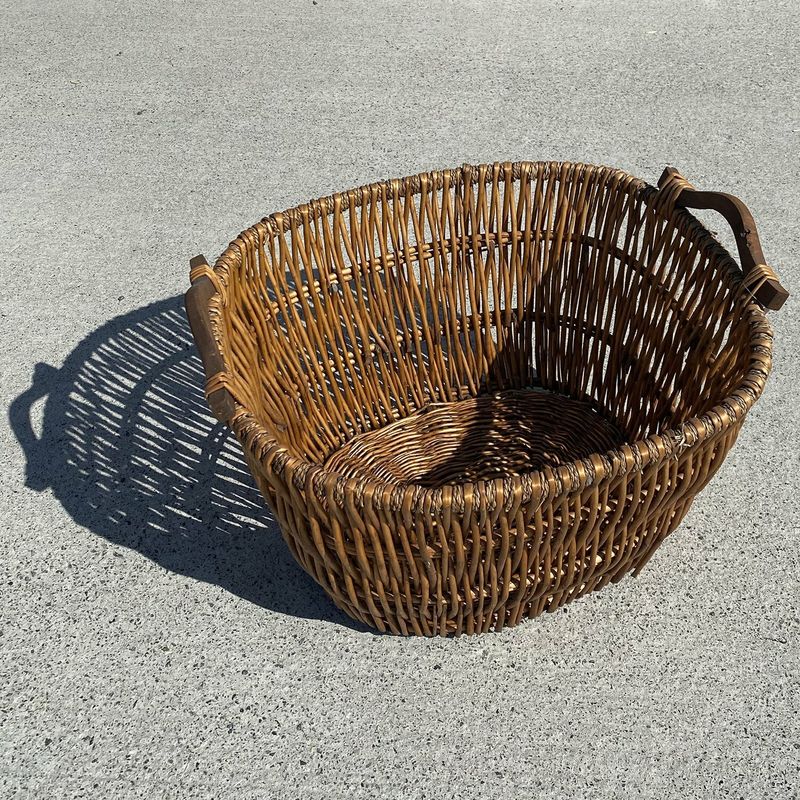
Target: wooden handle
{"points": [[196, 300], [770, 293]]}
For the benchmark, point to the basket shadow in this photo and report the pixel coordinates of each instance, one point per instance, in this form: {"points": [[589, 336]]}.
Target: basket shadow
{"points": [[129, 448]]}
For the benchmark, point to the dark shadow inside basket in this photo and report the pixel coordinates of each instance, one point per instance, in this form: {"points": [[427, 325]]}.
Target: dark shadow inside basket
{"points": [[514, 425]]}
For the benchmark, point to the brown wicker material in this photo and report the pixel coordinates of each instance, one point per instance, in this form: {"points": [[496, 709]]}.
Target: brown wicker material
{"points": [[472, 396]]}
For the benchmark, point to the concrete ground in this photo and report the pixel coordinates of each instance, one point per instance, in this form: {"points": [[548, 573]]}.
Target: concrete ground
{"points": [[157, 638]]}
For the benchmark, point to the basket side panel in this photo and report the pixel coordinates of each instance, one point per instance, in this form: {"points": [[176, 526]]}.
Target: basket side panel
{"points": [[643, 315], [478, 561]]}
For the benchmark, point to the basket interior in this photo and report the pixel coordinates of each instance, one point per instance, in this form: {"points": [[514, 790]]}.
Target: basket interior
{"points": [[482, 438], [478, 322]]}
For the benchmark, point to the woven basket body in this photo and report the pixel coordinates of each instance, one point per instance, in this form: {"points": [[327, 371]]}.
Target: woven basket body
{"points": [[475, 395]]}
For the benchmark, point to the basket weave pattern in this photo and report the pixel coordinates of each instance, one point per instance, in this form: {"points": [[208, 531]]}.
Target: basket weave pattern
{"points": [[475, 395]]}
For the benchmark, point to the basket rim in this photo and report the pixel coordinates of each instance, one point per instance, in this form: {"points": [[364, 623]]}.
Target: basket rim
{"points": [[547, 483]]}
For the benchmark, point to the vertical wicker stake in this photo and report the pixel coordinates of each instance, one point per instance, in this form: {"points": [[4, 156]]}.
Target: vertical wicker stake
{"points": [[472, 396]]}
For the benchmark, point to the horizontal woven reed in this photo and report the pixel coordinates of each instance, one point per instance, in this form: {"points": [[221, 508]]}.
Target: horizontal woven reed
{"points": [[482, 438], [475, 395]]}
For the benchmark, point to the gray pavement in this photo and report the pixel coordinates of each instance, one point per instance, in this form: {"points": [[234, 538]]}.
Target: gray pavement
{"points": [[157, 639]]}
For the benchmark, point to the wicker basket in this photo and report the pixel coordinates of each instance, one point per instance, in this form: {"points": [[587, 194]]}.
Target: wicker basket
{"points": [[472, 396]]}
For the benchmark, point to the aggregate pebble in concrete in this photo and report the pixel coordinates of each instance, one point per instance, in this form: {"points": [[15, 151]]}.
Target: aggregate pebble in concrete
{"points": [[157, 639]]}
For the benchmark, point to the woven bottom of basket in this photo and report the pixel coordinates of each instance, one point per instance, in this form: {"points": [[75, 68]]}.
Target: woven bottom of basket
{"points": [[482, 438]]}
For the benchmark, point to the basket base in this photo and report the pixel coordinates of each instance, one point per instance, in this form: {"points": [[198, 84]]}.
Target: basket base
{"points": [[481, 438]]}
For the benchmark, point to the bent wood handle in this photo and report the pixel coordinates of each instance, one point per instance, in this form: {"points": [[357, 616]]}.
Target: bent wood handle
{"points": [[196, 300], [769, 292]]}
